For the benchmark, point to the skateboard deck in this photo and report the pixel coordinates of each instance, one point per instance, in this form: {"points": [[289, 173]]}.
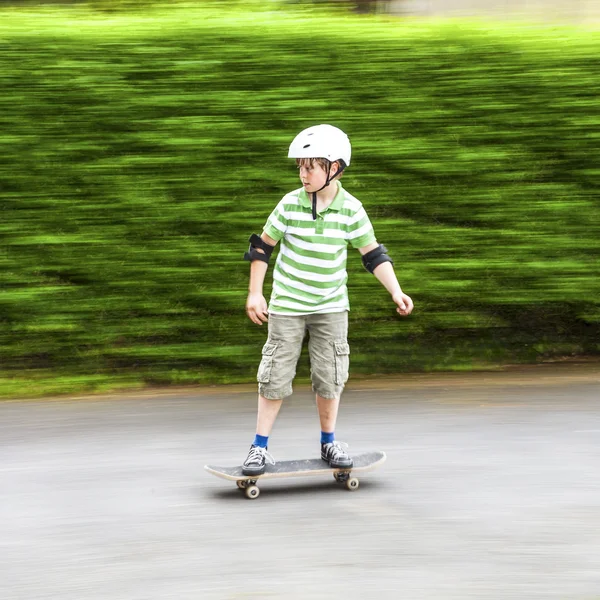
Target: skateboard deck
{"points": [[300, 468]]}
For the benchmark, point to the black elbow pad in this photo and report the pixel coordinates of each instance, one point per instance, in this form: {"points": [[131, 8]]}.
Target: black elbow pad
{"points": [[257, 242], [371, 260]]}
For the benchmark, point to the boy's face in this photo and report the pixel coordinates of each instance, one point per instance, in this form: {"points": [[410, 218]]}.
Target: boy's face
{"points": [[313, 174]]}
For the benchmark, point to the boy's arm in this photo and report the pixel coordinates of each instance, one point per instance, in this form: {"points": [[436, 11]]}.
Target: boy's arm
{"points": [[386, 275], [256, 305]]}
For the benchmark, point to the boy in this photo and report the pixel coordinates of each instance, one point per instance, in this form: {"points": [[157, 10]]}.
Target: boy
{"points": [[314, 224]]}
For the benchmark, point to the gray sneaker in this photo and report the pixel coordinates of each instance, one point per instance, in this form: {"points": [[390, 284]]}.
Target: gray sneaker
{"points": [[335, 454], [256, 461]]}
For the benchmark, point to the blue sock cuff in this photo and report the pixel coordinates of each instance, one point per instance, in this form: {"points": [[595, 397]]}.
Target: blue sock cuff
{"points": [[327, 438], [261, 440]]}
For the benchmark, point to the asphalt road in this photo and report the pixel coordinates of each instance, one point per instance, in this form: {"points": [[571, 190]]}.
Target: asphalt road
{"points": [[491, 490]]}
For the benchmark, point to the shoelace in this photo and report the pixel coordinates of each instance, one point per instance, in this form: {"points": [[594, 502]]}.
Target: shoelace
{"points": [[338, 448], [256, 455]]}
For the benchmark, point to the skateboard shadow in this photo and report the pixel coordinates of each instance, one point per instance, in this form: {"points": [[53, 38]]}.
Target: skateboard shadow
{"points": [[272, 489]]}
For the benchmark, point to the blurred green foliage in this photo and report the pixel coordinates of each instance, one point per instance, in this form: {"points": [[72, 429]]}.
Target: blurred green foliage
{"points": [[138, 152]]}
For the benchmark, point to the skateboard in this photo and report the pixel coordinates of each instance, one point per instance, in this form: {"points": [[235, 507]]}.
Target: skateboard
{"points": [[300, 468]]}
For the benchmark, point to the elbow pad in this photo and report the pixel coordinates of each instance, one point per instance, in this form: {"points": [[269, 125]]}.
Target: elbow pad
{"points": [[253, 254], [371, 260]]}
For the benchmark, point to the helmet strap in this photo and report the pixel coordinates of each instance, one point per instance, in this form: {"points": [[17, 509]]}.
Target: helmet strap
{"points": [[329, 179]]}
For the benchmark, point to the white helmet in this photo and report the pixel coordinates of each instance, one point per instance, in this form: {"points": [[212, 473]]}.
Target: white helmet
{"points": [[321, 141]]}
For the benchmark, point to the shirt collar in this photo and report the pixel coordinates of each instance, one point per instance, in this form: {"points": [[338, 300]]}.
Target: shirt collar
{"points": [[336, 204]]}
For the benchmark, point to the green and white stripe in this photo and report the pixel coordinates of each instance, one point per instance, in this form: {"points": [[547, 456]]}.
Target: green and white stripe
{"points": [[310, 272]]}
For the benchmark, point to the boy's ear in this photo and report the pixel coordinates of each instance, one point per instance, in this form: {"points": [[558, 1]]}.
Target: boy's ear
{"points": [[335, 167]]}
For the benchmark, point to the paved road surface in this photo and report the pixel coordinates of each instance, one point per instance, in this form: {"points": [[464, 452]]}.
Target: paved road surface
{"points": [[491, 490]]}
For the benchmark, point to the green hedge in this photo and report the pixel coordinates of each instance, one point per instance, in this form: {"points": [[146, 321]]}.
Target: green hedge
{"points": [[139, 151]]}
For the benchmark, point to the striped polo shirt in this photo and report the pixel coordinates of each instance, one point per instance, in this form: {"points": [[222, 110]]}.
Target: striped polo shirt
{"points": [[310, 272]]}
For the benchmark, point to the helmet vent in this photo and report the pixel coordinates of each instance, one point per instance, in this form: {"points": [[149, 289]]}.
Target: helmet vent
{"points": [[307, 146]]}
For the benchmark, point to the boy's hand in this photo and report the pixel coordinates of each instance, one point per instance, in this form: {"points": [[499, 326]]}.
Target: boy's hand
{"points": [[404, 304], [256, 309]]}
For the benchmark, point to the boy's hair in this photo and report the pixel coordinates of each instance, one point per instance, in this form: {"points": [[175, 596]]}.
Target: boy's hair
{"points": [[322, 162]]}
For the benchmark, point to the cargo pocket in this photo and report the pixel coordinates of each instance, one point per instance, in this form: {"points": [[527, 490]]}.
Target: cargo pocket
{"points": [[342, 362], [266, 364]]}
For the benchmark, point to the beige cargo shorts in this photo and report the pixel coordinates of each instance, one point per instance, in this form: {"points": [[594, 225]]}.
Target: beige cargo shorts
{"points": [[328, 350]]}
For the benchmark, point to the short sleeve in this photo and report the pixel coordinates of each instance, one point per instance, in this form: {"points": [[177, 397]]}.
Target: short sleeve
{"points": [[360, 230], [276, 224]]}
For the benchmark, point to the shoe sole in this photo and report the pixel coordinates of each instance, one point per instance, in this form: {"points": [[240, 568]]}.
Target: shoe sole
{"points": [[338, 466], [253, 473]]}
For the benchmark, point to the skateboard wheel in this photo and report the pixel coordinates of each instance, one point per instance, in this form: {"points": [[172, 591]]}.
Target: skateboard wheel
{"points": [[352, 484], [252, 492], [241, 483]]}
